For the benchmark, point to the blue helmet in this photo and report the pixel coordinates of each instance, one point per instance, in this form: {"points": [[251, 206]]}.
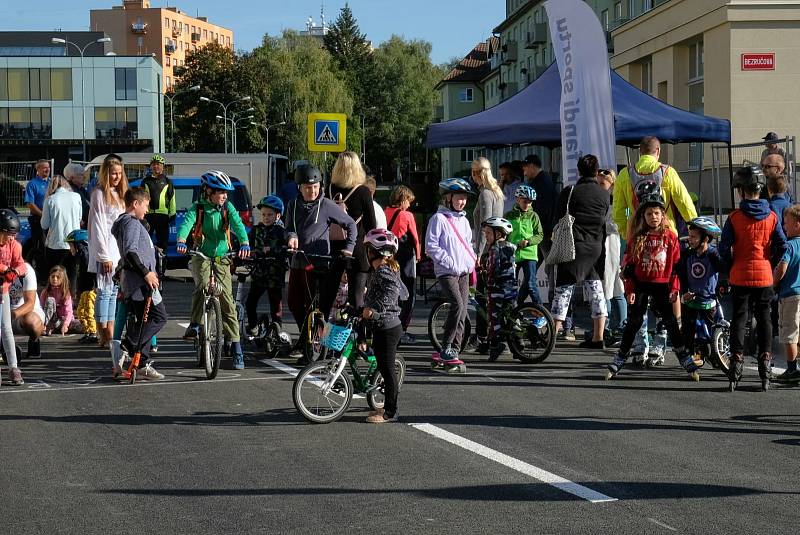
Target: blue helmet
{"points": [[271, 201], [217, 180], [525, 192], [77, 235], [707, 225], [455, 185]]}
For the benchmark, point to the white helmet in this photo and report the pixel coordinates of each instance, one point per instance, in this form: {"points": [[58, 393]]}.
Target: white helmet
{"points": [[498, 223]]}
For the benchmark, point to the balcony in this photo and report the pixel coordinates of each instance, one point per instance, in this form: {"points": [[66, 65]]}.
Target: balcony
{"points": [[509, 53], [195, 37], [537, 36], [170, 48], [139, 28]]}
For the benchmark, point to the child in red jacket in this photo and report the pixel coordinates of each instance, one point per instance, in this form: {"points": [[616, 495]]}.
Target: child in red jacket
{"points": [[11, 266], [650, 278]]}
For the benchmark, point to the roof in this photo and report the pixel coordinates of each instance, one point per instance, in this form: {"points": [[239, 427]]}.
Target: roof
{"points": [[475, 65]]}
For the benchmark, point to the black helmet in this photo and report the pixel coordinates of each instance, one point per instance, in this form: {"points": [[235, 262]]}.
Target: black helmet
{"points": [[651, 199], [9, 222], [647, 187], [307, 174], [749, 178]]}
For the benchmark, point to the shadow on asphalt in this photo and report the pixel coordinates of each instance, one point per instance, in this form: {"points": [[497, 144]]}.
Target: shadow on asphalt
{"points": [[526, 492]]}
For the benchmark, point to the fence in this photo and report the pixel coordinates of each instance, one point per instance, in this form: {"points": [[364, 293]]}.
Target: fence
{"points": [[726, 159], [14, 176]]}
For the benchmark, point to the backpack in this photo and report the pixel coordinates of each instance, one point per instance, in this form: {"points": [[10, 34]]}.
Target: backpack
{"points": [[335, 231], [657, 177], [196, 235]]}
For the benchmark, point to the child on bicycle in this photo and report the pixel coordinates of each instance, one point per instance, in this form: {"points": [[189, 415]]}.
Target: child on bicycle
{"points": [[138, 281], [752, 242], [11, 266], [448, 244], [268, 275], [650, 278], [501, 280], [78, 241], [698, 272], [210, 221], [382, 307], [527, 234]]}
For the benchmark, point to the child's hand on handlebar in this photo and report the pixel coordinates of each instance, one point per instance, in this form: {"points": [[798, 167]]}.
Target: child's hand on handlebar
{"points": [[367, 313], [181, 247], [673, 296], [244, 251]]}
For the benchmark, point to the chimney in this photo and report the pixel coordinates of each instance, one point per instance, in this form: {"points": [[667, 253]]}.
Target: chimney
{"points": [[136, 4]]}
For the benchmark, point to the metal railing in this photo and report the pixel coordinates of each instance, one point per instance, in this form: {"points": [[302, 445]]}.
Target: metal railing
{"points": [[14, 176]]}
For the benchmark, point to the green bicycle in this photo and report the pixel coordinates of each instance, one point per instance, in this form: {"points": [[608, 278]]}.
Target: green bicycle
{"points": [[322, 391]]}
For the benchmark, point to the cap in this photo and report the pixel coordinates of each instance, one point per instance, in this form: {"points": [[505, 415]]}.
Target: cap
{"points": [[771, 136]]}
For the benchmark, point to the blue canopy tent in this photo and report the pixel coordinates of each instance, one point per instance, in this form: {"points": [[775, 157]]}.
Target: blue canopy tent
{"points": [[531, 117]]}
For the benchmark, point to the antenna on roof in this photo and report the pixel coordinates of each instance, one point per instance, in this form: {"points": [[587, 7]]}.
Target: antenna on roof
{"points": [[322, 15]]}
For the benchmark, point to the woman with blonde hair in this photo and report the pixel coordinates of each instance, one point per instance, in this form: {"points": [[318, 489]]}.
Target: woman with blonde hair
{"points": [[347, 189], [106, 206], [490, 200]]}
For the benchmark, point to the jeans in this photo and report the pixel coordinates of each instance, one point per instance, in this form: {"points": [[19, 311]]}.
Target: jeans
{"points": [[617, 312], [105, 304], [529, 283], [7, 333], [563, 296]]}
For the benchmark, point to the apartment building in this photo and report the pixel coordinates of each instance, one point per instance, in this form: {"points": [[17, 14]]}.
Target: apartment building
{"points": [[167, 33]]}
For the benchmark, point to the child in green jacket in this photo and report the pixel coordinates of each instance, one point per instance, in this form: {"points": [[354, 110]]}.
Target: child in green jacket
{"points": [[526, 235]]}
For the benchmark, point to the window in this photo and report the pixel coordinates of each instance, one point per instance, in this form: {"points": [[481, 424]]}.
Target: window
{"points": [[617, 10], [139, 43], [465, 95], [40, 84], [18, 84], [537, 16], [61, 84], [648, 5], [604, 19], [631, 8], [647, 76], [117, 123], [25, 123], [696, 60], [125, 83], [3, 84], [174, 24], [169, 81], [468, 155], [205, 34], [228, 41], [169, 61]]}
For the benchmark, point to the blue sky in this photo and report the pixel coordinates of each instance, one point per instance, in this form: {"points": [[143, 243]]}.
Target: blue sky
{"points": [[453, 26]]}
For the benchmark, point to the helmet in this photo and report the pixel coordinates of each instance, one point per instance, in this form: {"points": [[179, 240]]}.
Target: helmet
{"points": [[217, 180], [525, 192], [749, 178], [454, 185], [158, 159], [9, 222], [647, 187], [652, 199], [707, 225], [307, 174], [382, 241], [77, 235], [271, 201], [498, 223]]}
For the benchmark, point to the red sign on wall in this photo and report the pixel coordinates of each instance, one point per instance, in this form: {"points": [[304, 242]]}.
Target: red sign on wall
{"points": [[758, 62]]}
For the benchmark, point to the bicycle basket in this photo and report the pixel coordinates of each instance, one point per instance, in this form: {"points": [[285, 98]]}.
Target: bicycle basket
{"points": [[335, 336]]}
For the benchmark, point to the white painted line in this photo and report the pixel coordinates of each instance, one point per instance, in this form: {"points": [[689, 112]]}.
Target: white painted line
{"points": [[184, 325], [657, 523], [775, 369], [285, 368], [515, 464], [39, 387]]}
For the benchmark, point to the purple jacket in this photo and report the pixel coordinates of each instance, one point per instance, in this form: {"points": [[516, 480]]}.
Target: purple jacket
{"points": [[450, 256]]}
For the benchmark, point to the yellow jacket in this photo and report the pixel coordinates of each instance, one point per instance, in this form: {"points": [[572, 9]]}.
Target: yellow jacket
{"points": [[672, 187]]}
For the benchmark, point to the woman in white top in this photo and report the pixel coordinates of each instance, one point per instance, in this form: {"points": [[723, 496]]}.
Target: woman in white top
{"points": [[490, 200], [61, 214], [105, 207]]}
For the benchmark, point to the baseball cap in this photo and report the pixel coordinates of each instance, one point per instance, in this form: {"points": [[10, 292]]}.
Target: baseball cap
{"points": [[771, 136]]}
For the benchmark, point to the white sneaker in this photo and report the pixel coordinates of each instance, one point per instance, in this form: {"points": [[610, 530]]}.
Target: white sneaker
{"points": [[148, 372]]}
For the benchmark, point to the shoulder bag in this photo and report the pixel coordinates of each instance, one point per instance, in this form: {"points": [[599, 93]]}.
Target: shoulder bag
{"points": [[563, 248]]}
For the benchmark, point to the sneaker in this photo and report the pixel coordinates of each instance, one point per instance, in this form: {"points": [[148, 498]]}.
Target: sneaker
{"points": [[381, 418], [688, 363], [90, 339], [495, 351], [238, 361], [16, 377], [191, 331], [449, 354], [540, 322], [148, 372], [617, 364], [589, 344], [408, 338], [154, 348], [377, 412], [34, 349], [567, 335], [789, 376]]}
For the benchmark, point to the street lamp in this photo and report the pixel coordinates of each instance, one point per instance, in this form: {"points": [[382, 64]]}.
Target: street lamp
{"points": [[235, 127], [225, 112], [233, 119], [59, 41], [364, 133], [269, 161], [171, 99]]}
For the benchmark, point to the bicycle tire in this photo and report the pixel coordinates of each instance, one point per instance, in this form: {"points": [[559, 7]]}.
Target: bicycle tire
{"points": [[721, 349], [309, 400], [314, 350], [528, 343], [261, 340], [214, 339], [436, 320], [375, 397]]}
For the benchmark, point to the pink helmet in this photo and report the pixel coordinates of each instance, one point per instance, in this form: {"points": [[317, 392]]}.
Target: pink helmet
{"points": [[382, 241]]}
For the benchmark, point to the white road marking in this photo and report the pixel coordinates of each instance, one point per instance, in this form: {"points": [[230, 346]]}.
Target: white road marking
{"points": [[285, 368], [515, 464], [775, 369], [38, 387], [182, 324], [657, 523]]}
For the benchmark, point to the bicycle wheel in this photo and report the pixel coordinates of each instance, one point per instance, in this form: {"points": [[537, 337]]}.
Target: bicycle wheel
{"points": [[436, 320], [531, 335], [375, 397], [272, 340], [314, 350], [317, 406], [721, 349], [214, 339]]}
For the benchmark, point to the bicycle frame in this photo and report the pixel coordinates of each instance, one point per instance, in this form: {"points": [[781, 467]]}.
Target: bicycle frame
{"points": [[362, 384]]}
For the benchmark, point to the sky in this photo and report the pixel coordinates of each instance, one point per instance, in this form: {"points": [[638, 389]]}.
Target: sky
{"points": [[452, 26]]}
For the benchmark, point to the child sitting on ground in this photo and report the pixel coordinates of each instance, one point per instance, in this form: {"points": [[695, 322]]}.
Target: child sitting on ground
{"points": [[501, 280], [56, 300]]}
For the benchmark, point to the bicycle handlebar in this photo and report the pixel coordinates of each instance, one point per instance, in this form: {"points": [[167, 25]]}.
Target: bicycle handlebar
{"points": [[214, 258]]}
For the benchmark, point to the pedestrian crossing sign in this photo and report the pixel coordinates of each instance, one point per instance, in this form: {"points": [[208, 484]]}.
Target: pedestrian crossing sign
{"points": [[327, 132]]}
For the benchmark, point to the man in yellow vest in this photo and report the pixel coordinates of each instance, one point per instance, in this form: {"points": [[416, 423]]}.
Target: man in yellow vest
{"points": [[162, 201], [680, 208]]}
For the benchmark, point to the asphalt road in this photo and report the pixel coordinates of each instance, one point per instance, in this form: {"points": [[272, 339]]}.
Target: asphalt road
{"points": [[506, 448]]}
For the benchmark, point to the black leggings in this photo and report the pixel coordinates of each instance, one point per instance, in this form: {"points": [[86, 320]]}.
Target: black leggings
{"points": [[689, 317], [657, 295], [761, 299], [275, 295], [384, 344]]}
